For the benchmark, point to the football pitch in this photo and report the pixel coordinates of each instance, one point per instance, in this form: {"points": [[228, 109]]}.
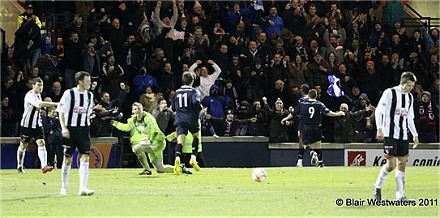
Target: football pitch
{"points": [[288, 191]]}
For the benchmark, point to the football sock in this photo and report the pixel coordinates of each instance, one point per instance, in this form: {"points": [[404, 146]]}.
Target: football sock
{"points": [[42, 154], [65, 172], [400, 183], [319, 152], [178, 149], [142, 157], [195, 146], [168, 169], [20, 156], [301, 153], [381, 178], [83, 174]]}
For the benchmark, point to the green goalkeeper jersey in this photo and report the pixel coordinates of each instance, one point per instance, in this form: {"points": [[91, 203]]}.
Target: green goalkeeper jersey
{"points": [[146, 128]]}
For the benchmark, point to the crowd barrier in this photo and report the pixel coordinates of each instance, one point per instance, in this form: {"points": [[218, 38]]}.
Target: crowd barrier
{"points": [[243, 151]]}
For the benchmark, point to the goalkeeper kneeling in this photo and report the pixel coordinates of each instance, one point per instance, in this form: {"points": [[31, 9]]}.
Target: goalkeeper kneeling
{"points": [[145, 138]]}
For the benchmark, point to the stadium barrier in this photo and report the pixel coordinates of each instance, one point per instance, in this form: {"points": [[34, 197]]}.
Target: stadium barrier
{"points": [[104, 153], [243, 151]]}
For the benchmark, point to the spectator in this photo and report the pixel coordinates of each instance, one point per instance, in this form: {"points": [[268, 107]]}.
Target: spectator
{"points": [[344, 129], [426, 119], [206, 79], [9, 118], [56, 92], [362, 124], [149, 99], [111, 77], [318, 71], [277, 131], [274, 23], [229, 91], [215, 102], [257, 126], [367, 87], [347, 81], [72, 50]]}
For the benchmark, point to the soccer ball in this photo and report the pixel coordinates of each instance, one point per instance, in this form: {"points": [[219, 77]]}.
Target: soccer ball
{"points": [[259, 174]]}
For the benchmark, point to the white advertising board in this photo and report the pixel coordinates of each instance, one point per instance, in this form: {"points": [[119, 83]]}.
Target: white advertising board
{"points": [[374, 157]]}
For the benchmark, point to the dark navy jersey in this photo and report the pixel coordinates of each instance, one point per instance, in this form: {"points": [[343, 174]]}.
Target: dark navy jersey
{"points": [[310, 112], [186, 104]]}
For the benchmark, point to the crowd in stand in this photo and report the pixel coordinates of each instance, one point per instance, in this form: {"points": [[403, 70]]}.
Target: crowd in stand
{"points": [[251, 58]]}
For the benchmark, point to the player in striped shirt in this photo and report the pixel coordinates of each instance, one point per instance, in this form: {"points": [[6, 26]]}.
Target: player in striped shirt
{"points": [[394, 116], [32, 126], [74, 110]]}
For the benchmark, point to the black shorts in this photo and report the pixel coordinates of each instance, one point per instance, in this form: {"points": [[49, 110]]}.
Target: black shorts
{"points": [[79, 138], [311, 134], [184, 127], [27, 134], [395, 147]]}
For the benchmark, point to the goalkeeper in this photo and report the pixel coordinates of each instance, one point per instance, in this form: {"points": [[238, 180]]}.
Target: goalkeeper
{"points": [[145, 137]]}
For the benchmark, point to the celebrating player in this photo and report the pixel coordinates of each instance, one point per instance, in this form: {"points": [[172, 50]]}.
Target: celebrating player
{"points": [[186, 104], [309, 112]]}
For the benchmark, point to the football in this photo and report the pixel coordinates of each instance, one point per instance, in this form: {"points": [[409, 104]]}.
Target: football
{"points": [[259, 174]]}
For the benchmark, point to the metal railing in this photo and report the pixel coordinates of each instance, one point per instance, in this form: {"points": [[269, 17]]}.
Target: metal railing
{"points": [[419, 20]]}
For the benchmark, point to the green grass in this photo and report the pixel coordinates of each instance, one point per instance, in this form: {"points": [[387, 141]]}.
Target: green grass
{"points": [[215, 192]]}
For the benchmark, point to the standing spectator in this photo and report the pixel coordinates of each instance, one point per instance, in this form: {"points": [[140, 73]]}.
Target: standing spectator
{"points": [[215, 102], [274, 23], [277, 130], [72, 51], [258, 120], [9, 119], [318, 71], [111, 77], [75, 127], [426, 119], [206, 79], [344, 130], [131, 58], [371, 89], [91, 61]]}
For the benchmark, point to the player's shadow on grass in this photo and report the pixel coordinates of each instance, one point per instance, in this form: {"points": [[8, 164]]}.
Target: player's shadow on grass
{"points": [[23, 199], [146, 177]]}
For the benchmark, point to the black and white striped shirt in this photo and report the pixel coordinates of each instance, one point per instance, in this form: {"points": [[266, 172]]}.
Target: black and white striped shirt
{"points": [[31, 117], [77, 107], [395, 114]]}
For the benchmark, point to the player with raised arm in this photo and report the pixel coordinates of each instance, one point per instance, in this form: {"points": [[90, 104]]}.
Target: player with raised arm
{"points": [[309, 112], [394, 116], [32, 126], [186, 104], [74, 110], [145, 137]]}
